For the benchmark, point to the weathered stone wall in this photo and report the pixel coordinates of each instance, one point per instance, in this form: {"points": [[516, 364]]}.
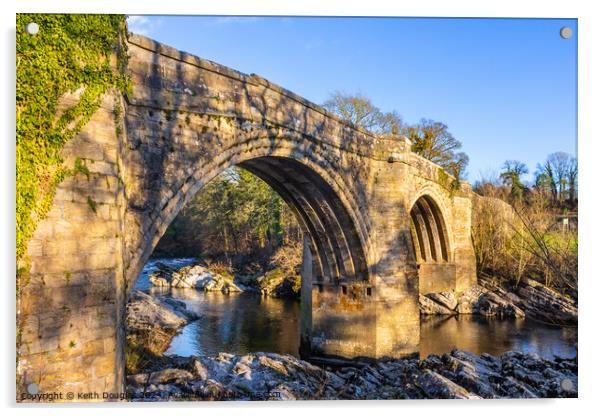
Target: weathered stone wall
{"points": [[186, 121], [464, 256], [436, 278], [70, 306]]}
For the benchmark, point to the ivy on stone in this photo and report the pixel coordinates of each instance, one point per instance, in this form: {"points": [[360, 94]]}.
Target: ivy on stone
{"points": [[69, 53]]}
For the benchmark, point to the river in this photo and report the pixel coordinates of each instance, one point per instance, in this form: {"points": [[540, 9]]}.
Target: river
{"points": [[247, 322]]}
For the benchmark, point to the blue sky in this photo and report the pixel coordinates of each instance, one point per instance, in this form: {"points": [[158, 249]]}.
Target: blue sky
{"points": [[506, 88]]}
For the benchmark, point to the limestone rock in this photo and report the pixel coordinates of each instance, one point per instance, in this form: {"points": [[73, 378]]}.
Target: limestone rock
{"points": [[467, 301], [277, 282], [159, 279], [194, 277], [447, 299], [487, 302], [273, 364], [490, 304], [170, 375], [143, 310], [435, 386], [430, 307], [153, 321], [138, 379], [199, 369], [267, 376], [464, 307], [546, 304]]}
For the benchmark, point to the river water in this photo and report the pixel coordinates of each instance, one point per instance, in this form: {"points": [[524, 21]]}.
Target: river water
{"points": [[247, 322]]}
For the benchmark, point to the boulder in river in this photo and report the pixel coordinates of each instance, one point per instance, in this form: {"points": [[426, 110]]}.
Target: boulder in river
{"points": [[475, 300], [447, 299], [153, 321], [194, 277], [276, 282], [428, 306]]}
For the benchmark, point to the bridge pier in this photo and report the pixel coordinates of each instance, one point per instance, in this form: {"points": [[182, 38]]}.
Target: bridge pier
{"points": [[305, 319], [356, 319], [184, 122]]}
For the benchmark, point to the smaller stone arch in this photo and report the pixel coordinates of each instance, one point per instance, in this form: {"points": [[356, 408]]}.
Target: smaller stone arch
{"points": [[430, 231], [433, 244]]}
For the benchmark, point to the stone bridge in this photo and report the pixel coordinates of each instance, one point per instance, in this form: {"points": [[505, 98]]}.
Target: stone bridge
{"points": [[381, 223]]}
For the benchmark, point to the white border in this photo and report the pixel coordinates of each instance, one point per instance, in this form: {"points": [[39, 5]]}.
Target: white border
{"points": [[458, 8], [590, 178]]}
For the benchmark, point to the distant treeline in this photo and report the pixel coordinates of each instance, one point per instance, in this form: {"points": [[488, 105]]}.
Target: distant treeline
{"points": [[236, 218], [539, 240], [555, 182]]}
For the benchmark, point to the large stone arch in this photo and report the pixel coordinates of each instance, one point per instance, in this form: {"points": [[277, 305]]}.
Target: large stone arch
{"points": [[312, 188], [147, 153], [336, 244], [169, 165], [323, 204]]}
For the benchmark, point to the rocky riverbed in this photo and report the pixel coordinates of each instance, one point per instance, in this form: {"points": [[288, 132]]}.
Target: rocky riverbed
{"points": [[274, 282], [153, 321], [266, 376], [529, 299]]}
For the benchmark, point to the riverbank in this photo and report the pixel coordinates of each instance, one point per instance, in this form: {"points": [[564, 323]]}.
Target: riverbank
{"points": [[267, 376], [488, 298], [152, 376], [277, 281], [151, 324]]}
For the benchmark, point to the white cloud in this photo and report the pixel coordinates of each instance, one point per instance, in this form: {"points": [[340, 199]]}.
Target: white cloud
{"points": [[142, 24]]}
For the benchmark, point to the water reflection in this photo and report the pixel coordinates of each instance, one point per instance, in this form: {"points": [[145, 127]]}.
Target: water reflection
{"points": [[246, 322], [237, 323], [241, 323], [477, 334]]}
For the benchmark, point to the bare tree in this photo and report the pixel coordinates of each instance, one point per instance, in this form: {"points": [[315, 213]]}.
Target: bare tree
{"points": [[490, 185], [572, 180], [359, 110], [558, 176], [430, 139]]}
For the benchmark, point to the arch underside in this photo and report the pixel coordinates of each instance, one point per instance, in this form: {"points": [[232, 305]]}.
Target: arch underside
{"points": [[431, 242], [336, 247]]}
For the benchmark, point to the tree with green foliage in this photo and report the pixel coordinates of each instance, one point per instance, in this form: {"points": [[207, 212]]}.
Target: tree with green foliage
{"points": [[511, 175], [433, 141], [235, 215]]}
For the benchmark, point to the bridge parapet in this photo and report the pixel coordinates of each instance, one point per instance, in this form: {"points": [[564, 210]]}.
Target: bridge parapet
{"points": [[186, 120]]}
